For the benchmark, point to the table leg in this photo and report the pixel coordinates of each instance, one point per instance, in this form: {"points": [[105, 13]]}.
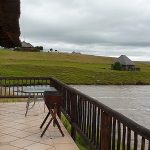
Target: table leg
{"points": [[34, 99], [44, 102], [27, 108], [28, 103]]}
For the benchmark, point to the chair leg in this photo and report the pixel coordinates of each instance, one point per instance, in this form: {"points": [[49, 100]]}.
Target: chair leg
{"points": [[55, 122], [45, 120], [59, 127], [54, 119], [46, 127]]}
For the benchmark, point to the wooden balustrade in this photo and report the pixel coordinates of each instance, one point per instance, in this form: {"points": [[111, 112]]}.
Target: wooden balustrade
{"points": [[10, 86], [102, 127]]}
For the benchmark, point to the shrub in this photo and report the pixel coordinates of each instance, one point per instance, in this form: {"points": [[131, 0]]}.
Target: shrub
{"points": [[39, 48], [117, 66]]}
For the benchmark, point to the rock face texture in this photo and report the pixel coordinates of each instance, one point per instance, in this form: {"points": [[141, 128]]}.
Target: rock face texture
{"points": [[9, 23]]}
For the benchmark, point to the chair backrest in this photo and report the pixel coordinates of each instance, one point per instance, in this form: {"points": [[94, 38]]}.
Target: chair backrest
{"points": [[52, 98]]}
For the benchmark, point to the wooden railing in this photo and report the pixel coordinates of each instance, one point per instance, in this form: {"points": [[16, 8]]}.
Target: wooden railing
{"points": [[10, 86], [102, 127]]}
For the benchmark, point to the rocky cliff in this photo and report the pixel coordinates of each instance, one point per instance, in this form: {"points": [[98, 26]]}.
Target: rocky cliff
{"points": [[9, 23]]}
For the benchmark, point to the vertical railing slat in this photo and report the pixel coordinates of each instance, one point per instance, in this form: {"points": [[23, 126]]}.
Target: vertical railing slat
{"points": [[135, 141], [143, 144], [128, 139], [77, 110], [73, 115], [106, 125], [94, 125], [1, 87], [80, 110], [68, 102], [114, 134], [9, 91], [90, 121], [82, 113], [124, 138], [98, 129], [87, 129], [119, 136], [17, 87], [5, 88], [65, 98], [13, 86], [85, 116]]}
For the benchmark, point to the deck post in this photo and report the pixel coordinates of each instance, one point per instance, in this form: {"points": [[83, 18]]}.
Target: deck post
{"points": [[73, 115], [106, 125]]}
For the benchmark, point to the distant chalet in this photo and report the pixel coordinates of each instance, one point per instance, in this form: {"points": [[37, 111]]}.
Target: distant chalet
{"points": [[27, 47], [125, 64], [9, 23]]}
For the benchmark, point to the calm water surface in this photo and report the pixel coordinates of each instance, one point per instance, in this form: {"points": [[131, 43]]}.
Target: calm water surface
{"points": [[131, 101]]}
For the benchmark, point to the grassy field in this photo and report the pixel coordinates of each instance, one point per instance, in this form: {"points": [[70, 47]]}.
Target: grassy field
{"points": [[70, 68]]}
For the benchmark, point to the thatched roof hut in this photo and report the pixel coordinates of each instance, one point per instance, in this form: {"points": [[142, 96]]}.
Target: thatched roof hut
{"points": [[9, 23], [125, 62]]}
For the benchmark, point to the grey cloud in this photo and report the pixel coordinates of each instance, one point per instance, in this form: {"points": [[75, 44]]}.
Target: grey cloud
{"points": [[85, 23]]}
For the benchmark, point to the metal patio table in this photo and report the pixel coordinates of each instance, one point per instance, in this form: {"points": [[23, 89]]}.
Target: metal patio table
{"points": [[34, 93]]}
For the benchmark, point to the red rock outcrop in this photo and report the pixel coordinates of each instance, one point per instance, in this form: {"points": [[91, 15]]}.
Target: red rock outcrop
{"points": [[9, 23]]}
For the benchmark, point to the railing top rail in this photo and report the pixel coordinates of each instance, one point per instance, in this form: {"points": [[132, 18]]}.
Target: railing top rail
{"points": [[118, 116]]}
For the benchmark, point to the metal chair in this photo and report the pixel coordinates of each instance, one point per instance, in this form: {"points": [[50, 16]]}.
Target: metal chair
{"points": [[53, 101]]}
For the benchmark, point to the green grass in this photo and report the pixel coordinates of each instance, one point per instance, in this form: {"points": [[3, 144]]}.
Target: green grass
{"points": [[79, 140], [70, 68]]}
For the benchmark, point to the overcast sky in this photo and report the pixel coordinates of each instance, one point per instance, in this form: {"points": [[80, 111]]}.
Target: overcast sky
{"points": [[99, 27]]}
